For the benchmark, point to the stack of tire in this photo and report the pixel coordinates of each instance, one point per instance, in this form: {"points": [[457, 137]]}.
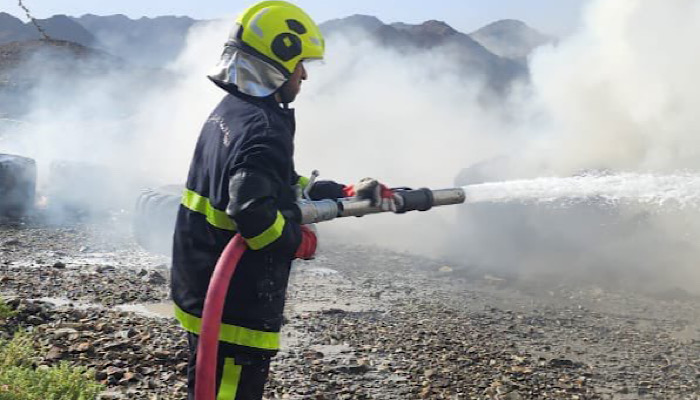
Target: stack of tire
{"points": [[17, 185], [154, 218]]}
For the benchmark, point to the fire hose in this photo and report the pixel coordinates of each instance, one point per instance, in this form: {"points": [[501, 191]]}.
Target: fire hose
{"points": [[310, 212]]}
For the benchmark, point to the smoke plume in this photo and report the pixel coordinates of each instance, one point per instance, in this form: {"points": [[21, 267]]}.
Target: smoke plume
{"points": [[618, 95]]}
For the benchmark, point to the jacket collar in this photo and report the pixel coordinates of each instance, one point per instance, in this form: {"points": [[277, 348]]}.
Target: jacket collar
{"points": [[268, 102]]}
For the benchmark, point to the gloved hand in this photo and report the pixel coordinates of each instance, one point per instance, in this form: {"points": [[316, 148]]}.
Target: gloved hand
{"points": [[307, 247], [378, 194]]}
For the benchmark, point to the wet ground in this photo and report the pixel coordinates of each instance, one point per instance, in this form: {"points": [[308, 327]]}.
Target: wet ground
{"points": [[363, 323]]}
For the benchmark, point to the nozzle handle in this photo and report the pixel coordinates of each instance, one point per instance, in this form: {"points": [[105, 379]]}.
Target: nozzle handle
{"points": [[414, 200]]}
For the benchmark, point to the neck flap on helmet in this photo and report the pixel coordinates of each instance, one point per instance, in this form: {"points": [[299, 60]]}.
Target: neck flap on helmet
{"points": [[249, 73]]}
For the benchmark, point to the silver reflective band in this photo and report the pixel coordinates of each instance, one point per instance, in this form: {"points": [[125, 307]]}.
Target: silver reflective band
{"points": [[249, 74], [256, 29], [317, 211]]}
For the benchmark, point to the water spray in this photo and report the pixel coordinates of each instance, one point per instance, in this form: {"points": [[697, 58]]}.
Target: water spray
{"points": [[676, 191]]}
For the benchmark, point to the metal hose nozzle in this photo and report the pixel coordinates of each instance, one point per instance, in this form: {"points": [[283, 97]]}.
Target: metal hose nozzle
{"points": [[408, 200]]}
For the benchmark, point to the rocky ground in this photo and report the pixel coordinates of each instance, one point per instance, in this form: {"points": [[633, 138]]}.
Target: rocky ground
{"points": [[363, 323]]}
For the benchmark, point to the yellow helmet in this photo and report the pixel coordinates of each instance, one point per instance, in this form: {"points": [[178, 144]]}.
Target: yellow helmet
{"points": [[280, 33], [265, 46]]}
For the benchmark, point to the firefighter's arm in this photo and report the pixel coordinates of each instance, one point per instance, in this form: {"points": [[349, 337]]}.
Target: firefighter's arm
{"points": [[255, 178], [253, 207]]}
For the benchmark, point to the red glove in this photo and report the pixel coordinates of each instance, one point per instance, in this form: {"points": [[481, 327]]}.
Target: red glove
{"points": [[371, 189], [307, 247]]}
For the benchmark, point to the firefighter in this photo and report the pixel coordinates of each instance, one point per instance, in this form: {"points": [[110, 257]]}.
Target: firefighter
{"points": [[242, 180]]}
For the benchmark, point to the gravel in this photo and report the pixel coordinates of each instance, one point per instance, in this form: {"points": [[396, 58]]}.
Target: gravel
{"points": [[362, 323]]}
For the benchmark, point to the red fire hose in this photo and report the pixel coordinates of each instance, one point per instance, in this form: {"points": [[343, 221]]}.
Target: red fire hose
{"points": [[208, 346]]}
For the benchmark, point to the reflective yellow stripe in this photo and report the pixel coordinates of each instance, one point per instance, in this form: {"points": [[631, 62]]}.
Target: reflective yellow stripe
{"points": [[202, 205], [229, 380], [231, 333], [303, 182], [270, 235]]}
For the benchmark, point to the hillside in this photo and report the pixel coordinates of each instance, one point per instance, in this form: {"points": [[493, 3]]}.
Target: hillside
{"points": [[496, 51], [58, 27], [510, 38], [51, 62], [144, 41], [470, 56]]}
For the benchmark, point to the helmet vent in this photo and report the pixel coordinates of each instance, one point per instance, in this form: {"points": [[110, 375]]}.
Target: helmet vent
{"points": [[296, 26]]}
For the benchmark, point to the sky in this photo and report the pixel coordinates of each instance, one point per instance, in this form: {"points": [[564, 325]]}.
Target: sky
{"points": [[550, 16]]}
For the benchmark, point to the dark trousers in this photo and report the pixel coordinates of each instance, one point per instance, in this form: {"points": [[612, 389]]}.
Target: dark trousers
{"points": [[239, 375]]}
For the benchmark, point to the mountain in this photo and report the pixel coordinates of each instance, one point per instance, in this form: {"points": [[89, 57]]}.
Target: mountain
{"points": [[54, 62], [428, 34], [510, 38], [144, 41], [359, 23], [495, 53], [61, 27], [431, 36], [58, 27], [12, 29], [20, 51]]}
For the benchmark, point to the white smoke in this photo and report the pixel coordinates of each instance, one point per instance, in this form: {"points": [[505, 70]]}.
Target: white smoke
{"points": [[620, 94], [134, 127], [169, 120], [410, 120]]}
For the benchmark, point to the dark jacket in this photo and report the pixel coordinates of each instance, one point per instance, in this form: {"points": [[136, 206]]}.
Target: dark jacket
{"points": [[241, 179]]}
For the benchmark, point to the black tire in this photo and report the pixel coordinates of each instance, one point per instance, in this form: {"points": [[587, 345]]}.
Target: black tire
{"points": [[17, 185], [154, 218]]}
